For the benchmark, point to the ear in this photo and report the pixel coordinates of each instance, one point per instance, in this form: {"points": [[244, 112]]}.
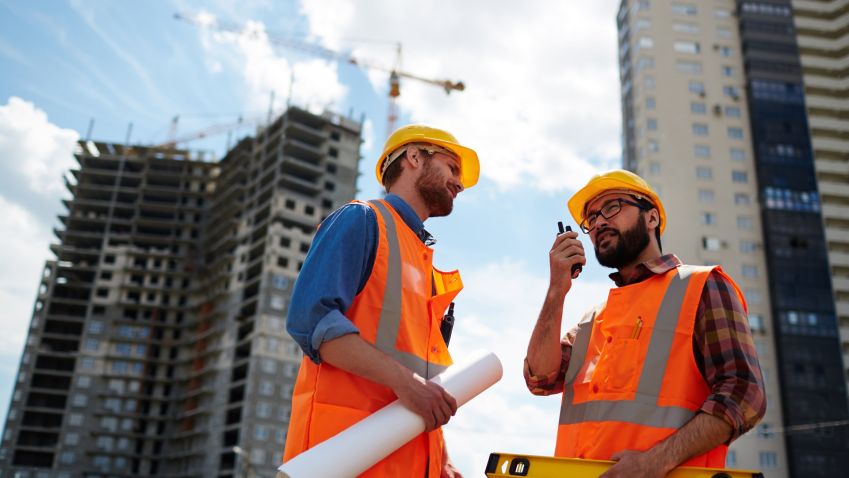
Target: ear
{"points": [[654, 218], [413, 156]]}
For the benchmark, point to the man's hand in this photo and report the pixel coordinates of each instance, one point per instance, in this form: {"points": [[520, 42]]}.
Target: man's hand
{"points": [[633, 464], [566, 251], [426, 399]]}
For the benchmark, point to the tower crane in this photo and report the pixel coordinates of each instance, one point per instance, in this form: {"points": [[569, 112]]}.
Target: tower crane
{"points": [[395, 73]]}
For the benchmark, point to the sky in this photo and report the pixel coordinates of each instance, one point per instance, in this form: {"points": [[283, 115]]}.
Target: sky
{"points": [[541, 107]]}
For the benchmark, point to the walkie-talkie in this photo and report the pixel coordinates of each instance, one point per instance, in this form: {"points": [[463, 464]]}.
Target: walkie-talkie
{"points": [[575, 267], [447, 325]]}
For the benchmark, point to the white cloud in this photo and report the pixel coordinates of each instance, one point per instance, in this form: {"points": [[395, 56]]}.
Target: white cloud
{"points": [[33, 149], [251, 52], [541, 104], [497, 311], [23, 250]]}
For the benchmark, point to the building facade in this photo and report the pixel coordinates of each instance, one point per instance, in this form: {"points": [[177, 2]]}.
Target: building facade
{"points": [[714, 117], [157, 345], [822, 32]]}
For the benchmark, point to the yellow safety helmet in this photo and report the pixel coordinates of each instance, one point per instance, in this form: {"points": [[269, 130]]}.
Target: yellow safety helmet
{"points": [[614, 180], [419, 133]]}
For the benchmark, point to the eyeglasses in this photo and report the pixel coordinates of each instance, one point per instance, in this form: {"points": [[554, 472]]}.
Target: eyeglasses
{"points": [[608, 211], [428, 148]]}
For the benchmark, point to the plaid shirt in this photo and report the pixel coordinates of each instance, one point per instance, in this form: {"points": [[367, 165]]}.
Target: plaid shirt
{"points": [[722, 345]]}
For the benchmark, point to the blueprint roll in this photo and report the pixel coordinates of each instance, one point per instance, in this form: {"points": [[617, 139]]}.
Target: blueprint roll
{"points": [[390, 427]]}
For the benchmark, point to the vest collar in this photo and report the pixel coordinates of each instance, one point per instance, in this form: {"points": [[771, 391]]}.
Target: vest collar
{"points": [[411, 219]]}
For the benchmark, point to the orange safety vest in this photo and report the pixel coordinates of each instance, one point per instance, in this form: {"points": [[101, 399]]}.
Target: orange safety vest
{"points": [[398, 311], [632, 378]]}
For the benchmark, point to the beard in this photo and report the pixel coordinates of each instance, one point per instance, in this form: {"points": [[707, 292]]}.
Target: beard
{"points": [[434, 191], [630, 245]]}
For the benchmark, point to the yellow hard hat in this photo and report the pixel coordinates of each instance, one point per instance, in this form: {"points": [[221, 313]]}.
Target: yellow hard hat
{"points": [[419, 133], [614, 180]]}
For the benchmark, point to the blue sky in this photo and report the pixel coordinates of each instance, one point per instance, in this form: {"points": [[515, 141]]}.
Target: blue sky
{"points": [[541, 107]]}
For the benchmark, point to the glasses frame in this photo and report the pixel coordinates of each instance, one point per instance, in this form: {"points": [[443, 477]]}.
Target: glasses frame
{"points": [[594, 216]]}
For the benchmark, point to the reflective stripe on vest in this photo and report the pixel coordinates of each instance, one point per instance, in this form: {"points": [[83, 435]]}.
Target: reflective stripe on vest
{"points": [[643, 409], [390, 314]]}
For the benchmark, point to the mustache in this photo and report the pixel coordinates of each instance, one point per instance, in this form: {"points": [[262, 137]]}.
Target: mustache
{"points": [[605, 230]]}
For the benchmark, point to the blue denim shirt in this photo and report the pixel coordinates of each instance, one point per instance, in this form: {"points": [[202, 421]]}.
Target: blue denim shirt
{"points": [[335, 270]]}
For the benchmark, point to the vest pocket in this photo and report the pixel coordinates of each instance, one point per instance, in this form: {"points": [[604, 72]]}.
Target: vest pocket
{"points": [[623, 364]]}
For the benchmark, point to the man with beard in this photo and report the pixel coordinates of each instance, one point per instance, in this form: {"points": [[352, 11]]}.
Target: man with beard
{"points": [[367, 306], [664, 373]]}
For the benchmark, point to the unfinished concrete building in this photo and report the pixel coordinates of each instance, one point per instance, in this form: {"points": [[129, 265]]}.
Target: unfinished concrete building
{"points": [[157, 345]]}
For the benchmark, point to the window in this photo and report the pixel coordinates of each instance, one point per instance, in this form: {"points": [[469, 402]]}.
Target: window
{"points": [[95, 327], [263, 410], [84, 381], [648, 83], [700, 129], [750, 271], [686, 47], [72, 438], [277, 302], [747, 247], [87, 363], [728, 71], [269, 366], [75, 419], [651, 124], [91, 344], [744, 222], [67, 457], [708, 218], [768, 460], [645, 42], [737, 154], [79, 400], [706, 196], [685, 28], [711, 243], [723, 32], [740, 177], [753, 296], [642, 24], [721, 13], [704, 172], [756, 323], [696, 87], [653, 146], [726, 51], [654, 168], [290, 204], [681, 9], [697, 108], [742, 199], [688, 66], [732, 111], [279, 282], [650, 103], [258, 457], [735, 133], [261, 432], [731, 92], [266, 388]]}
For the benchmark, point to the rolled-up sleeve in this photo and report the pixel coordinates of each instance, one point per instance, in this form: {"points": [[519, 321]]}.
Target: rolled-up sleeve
{"points": [[553, 382], [334, 271], [723, 342]]}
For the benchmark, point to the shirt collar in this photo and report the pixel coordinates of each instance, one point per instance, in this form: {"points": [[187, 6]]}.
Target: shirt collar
{"points": [[411, 219], [647, 269]]}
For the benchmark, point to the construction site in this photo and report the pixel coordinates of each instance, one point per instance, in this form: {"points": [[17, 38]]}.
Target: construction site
{"points": [[157, 343]]}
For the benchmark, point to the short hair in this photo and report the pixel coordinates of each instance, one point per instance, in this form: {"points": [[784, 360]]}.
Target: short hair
{"points": [[393, 171]]}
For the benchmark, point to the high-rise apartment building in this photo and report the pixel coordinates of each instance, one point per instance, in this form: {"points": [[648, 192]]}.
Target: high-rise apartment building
{"points": [[714, 117], [157, 345], [822, 31]]}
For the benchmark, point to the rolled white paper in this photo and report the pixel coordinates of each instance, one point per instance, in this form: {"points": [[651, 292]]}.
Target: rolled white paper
{"points": [[368, 441]]}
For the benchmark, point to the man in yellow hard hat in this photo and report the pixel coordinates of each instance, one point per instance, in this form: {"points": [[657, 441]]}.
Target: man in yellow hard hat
{"points": [[368, 306], [663, 373]]}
